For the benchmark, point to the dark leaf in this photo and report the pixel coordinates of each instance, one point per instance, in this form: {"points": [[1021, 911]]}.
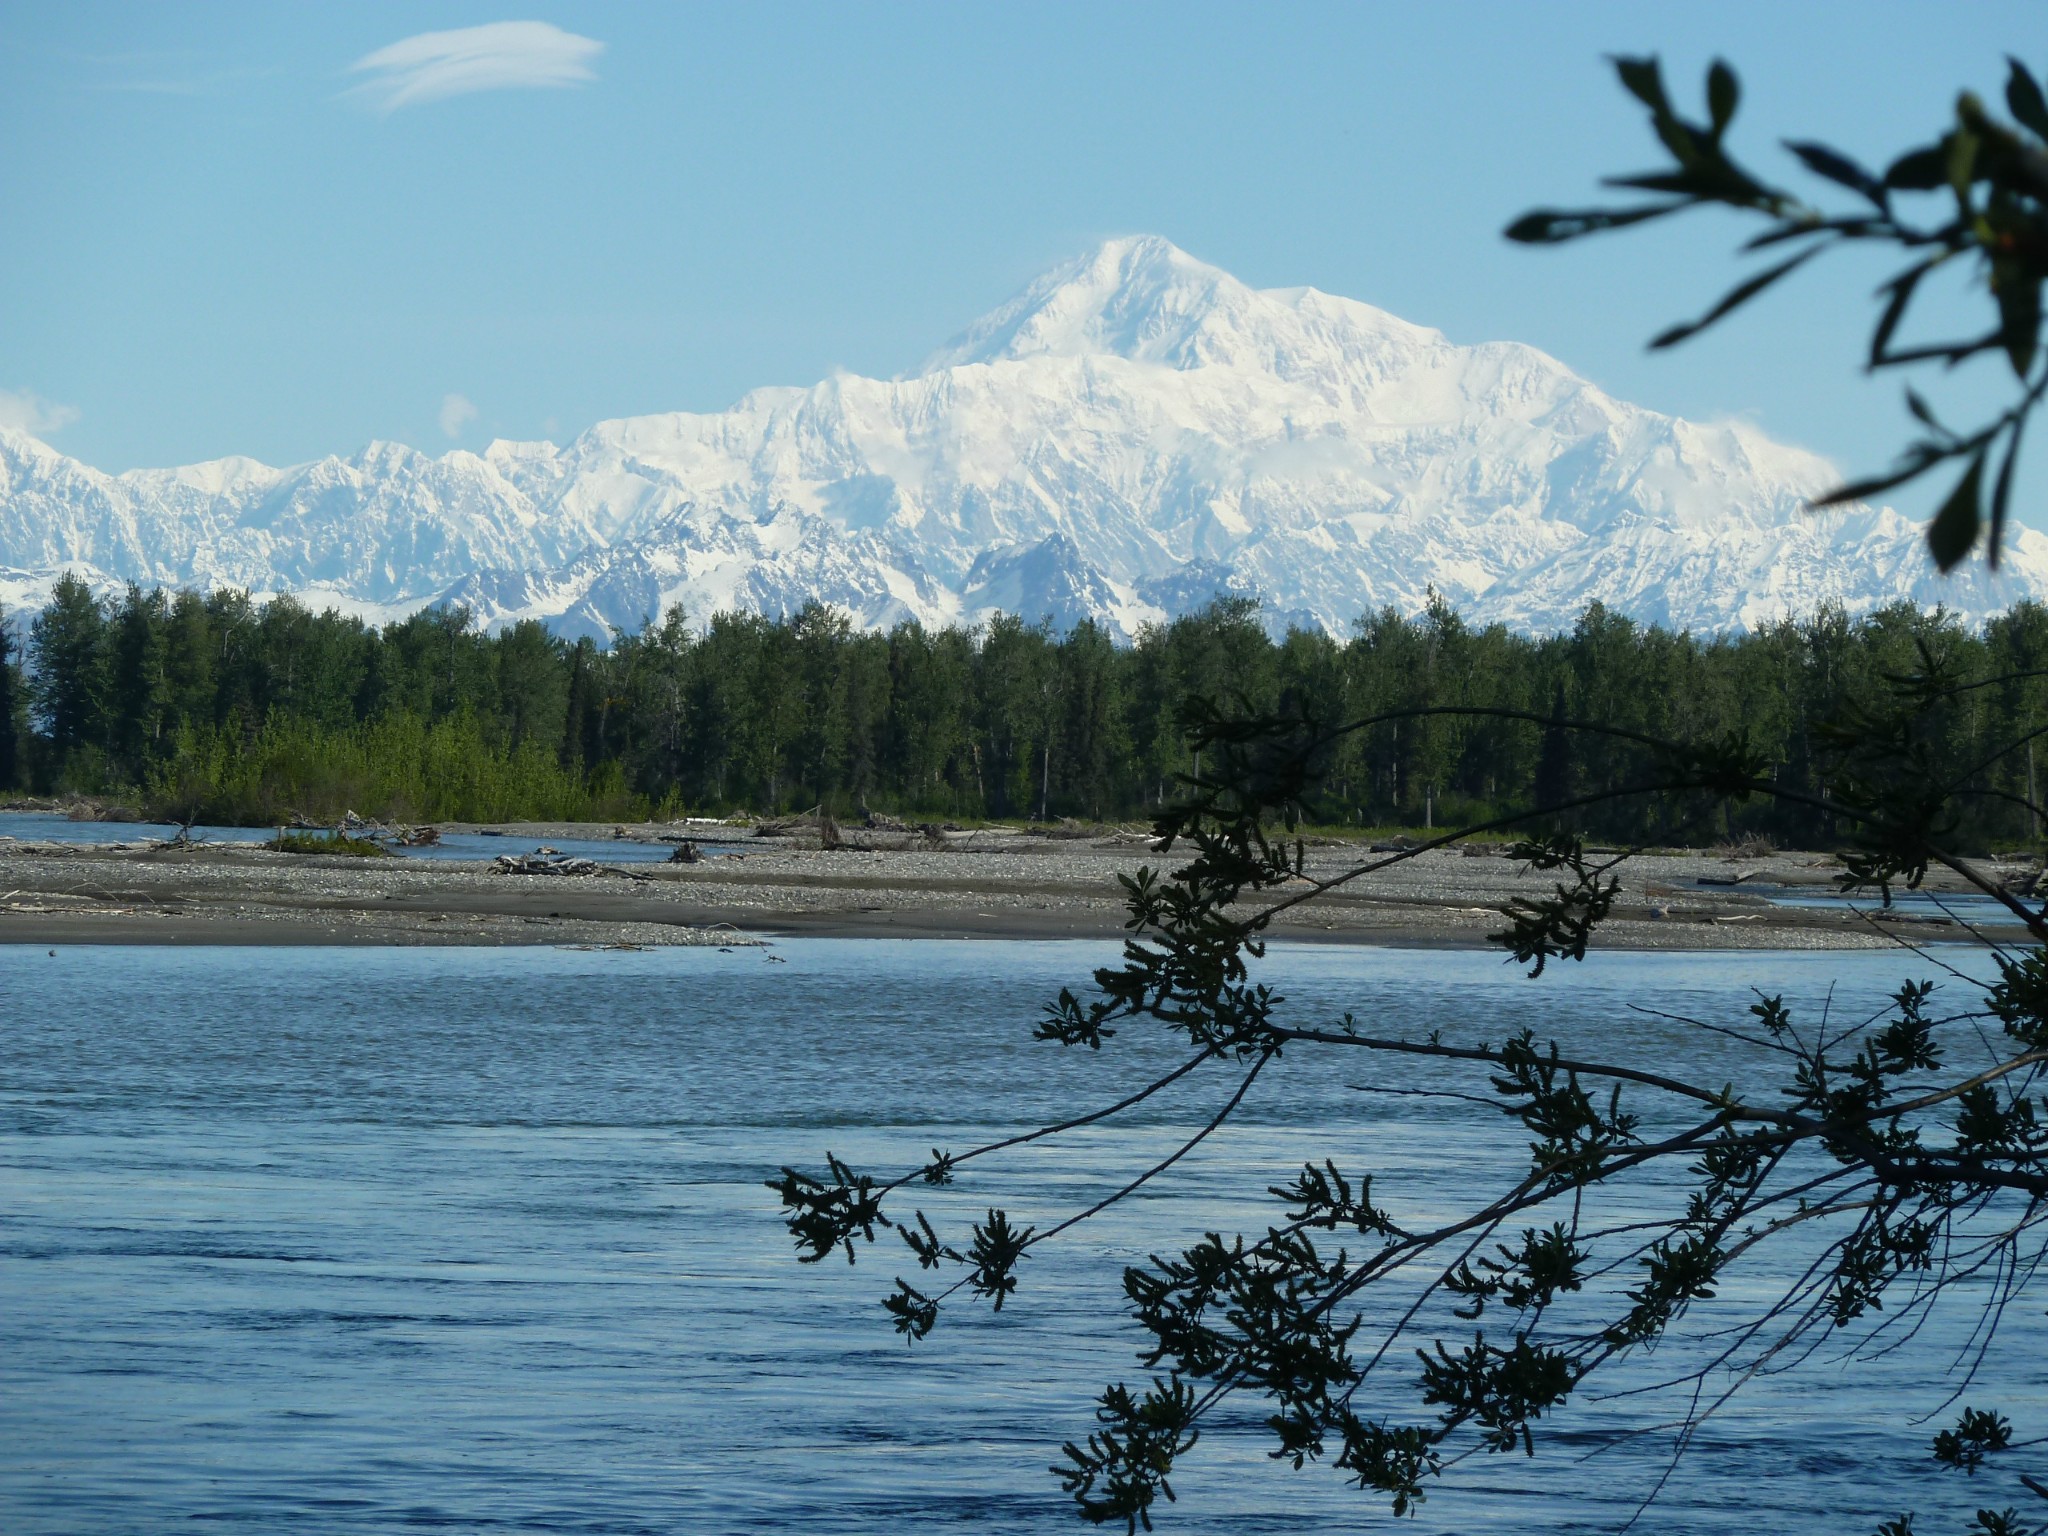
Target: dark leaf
{"points": [[1959, 160], [1923, 412], [1740, 294], [1922, 170], [1955, 526], [1644, 80], [1901, 288], [1687, 146], [1723, 91], [1687, 183], [2001, 490], [1839, 168], [916, 1314], [2019, 314], [1778, 234], [1920, 458], [2023, 96], [1950, 352], [1549, 226]]}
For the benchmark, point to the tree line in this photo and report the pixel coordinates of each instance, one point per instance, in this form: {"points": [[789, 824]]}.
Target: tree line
{"points": [[216, 707]]}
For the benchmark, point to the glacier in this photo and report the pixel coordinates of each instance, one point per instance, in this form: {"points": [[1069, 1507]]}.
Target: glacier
{"points": [[1130, 436]]}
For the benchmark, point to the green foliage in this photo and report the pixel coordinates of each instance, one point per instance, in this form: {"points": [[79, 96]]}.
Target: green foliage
{"points": [[1909, 1151], [1123, 1469], [230, 711], [13, 709], [1976, 1434], [1903, 1153], [396, 765], [1989, 183], [68, 655], [327, 843]]}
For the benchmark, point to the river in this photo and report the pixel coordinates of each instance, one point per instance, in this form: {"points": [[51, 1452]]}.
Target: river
{"points": [[374, 1240]]}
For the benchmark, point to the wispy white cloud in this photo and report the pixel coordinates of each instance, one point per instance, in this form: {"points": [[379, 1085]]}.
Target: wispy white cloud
{"points": [[456, 413], [26, 411], [163, 72], [187, 85], [502, 56]]}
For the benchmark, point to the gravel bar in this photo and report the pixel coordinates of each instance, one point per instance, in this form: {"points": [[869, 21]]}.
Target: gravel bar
{"points": [[991, 884]]}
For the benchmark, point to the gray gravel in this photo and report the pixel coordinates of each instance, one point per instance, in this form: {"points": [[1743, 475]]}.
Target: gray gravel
{"points": [[984, 884]]}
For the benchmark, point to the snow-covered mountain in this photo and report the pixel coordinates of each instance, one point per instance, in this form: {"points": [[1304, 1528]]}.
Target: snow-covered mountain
{"points": [[1132, 434]]}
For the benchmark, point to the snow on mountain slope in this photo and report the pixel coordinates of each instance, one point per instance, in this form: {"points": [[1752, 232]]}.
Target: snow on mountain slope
{"points": [[1133, 433]]}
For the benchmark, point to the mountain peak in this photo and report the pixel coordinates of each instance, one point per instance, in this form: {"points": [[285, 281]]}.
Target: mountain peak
{"points": [[1139, 297], [1143, 299], [1136, 431]]}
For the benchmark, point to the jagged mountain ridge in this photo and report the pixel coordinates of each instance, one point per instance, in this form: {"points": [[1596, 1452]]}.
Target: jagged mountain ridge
{"points": [[1133, 433]]}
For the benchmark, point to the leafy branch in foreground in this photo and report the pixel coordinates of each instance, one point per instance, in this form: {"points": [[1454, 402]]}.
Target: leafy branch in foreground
{"points": [[1887, 1162], [1990, 182]]}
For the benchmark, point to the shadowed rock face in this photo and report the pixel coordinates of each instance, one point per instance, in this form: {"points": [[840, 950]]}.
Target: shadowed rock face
{"points": [[1133, 434]]}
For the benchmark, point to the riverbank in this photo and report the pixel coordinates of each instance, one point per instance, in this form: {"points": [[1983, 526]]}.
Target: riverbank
{"points": [[988, 884]]}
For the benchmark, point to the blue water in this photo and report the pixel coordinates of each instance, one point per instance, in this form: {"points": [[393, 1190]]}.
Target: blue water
{"points": [[48, 827], [44, 826], [1970, 907], [606, 850], [375, 1240]]}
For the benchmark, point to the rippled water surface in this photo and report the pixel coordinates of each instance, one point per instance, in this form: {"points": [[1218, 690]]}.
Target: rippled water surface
{"points": [[363, 1240]]}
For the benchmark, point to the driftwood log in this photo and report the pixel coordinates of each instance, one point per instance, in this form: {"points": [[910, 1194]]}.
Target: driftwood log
{"points": [[544, 861]]}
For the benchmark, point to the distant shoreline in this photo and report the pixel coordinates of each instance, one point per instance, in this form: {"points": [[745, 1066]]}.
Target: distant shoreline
{"points": [[991, 885]]}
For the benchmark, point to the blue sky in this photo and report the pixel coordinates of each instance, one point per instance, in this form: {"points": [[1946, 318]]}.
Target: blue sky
{"points": [[221, 236]]}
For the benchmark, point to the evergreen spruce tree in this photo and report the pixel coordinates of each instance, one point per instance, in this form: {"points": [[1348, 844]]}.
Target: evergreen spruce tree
{"points": [[189, 661], [582, 712], [68, 655], [11, 709], [139, 679], [1553, 784]]}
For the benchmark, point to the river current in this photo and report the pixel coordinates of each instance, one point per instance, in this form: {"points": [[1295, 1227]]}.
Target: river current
{"points": [[477, 1240]]}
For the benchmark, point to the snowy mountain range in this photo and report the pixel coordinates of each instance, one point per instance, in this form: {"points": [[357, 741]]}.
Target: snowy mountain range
{"points": [[1134, 433]]}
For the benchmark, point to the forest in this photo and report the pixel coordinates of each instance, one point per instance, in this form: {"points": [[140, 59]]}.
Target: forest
{"points": [[217, 708]]}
